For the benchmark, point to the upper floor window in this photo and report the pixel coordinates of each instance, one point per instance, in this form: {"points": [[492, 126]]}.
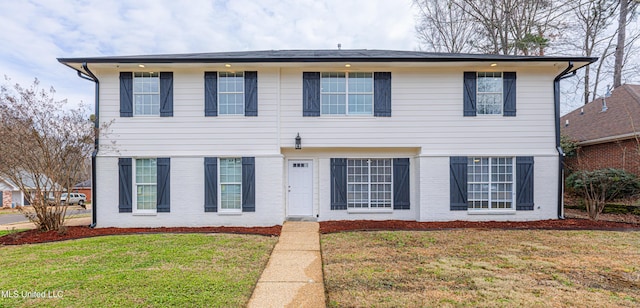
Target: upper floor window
{"points": [[346, 93], [489, 93], [146, 93], [231, 93]]}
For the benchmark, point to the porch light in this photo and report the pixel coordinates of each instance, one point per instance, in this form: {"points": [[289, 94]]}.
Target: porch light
{"points": [[227, 65], [494, 64], [347, 65], [141, 65], [298, 142]]}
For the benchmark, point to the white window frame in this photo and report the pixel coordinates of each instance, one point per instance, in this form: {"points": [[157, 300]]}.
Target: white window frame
{"points": [[220, 183], [490, 184], [135, 184], [369, 183], [133, 90], [236, 92], [346, 95], [478, 93]]}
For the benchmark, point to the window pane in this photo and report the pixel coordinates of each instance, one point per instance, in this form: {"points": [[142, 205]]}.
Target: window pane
{"points": [[145, 181], [231, 93], [146, 93], [489, 95], [230, 195], [369, 183]]}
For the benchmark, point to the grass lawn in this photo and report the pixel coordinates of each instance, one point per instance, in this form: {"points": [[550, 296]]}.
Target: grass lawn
{"points": [[152, 270], [482, 268], [5, 232]]}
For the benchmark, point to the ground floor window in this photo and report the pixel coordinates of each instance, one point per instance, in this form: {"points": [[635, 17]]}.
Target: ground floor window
{"points": [[146, 184], [231, 184], [369, 183], [490, 182]]}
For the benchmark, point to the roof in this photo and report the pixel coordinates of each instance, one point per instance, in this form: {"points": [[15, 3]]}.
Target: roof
{"points": [[621, 120], [327, 55], [83, 184]]}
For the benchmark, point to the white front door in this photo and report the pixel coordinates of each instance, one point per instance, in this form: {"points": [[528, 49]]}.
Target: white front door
{"points": [[300, 188]]}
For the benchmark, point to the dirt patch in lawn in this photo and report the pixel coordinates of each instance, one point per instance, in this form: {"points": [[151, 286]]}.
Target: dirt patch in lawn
{"points": [[556, 224], [35, 236]]}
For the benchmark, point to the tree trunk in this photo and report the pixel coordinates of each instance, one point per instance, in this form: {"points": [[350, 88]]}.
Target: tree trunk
{"points": [[619, 55]]}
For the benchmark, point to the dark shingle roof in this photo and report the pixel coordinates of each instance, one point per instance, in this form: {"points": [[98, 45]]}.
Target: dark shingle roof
{"points": [[622, 116], [329, 55]]}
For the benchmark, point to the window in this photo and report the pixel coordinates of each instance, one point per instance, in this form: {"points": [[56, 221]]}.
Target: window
{"points": [[490, 183], [231, 184], [146, 93], [369, 183], [231, 93], [346, 93], [489, 93], [146, 184]]}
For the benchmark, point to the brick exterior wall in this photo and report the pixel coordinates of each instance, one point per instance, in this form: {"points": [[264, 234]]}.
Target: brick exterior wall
{"points": [[623, 154], [6, 198]]}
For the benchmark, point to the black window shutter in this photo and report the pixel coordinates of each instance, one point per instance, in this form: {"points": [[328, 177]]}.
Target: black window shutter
{"points": [[458, 183], [401, 194], [470, 79], [210, 94], [126, 94], [382, 94], [310, 94], [210, 184], [248, 184], [166, 94], [338, 183], [524, 183], [509, 93], [251, 94], [124, 185], [164, 184]]}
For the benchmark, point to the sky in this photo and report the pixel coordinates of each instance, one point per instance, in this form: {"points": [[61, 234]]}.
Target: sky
{"points": [[33, 34]]}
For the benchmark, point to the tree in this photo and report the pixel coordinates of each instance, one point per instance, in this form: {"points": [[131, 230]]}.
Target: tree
{"points": [[601, 186], [492, 26], [443, 27], [45, 144]]}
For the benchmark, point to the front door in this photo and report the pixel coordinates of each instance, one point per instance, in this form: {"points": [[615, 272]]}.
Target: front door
{"points": [[300, 188]]}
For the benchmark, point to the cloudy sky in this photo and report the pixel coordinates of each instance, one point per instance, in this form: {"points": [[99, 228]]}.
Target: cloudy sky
{"points": [[35, 33]]}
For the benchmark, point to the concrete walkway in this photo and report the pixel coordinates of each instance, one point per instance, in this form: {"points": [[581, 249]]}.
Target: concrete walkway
{"points": [[293, 276]]}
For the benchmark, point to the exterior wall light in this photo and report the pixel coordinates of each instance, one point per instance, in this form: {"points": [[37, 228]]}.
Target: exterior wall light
{"points": [[298, 142]]}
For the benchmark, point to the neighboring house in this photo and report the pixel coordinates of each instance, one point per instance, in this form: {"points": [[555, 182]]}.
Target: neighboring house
{"points": [[607, 131], [253, 138], [10, 194], [84, 187]]}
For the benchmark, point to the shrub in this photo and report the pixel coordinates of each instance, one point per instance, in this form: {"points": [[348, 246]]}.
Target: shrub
{"points": [[601, 186]]}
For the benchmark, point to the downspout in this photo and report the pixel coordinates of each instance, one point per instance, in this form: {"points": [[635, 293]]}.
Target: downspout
{"points": [[88, 75], [556, 101]]}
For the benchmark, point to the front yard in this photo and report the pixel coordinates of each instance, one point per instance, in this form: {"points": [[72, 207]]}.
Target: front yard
{"points": [[151, 270], [482, 268]]}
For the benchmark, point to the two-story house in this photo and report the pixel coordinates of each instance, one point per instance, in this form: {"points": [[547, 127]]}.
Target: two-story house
{"points": [[253, 138]]}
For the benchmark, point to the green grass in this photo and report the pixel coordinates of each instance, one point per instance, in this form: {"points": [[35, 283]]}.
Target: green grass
{"points": [[154, 270], [5, 232], [482, 268]]}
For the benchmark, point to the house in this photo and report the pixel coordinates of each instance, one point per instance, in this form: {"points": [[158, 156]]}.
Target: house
{"points": [[607, 131], [254, 138], [10, 194], [84, 187]]}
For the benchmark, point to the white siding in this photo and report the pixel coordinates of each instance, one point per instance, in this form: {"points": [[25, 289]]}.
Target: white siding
{"points": [[427, 111], [189, 132], [187, 197]]}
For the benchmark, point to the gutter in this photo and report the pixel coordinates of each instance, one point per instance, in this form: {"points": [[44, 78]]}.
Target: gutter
{"points": [[556, 100], [88, 75]]}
